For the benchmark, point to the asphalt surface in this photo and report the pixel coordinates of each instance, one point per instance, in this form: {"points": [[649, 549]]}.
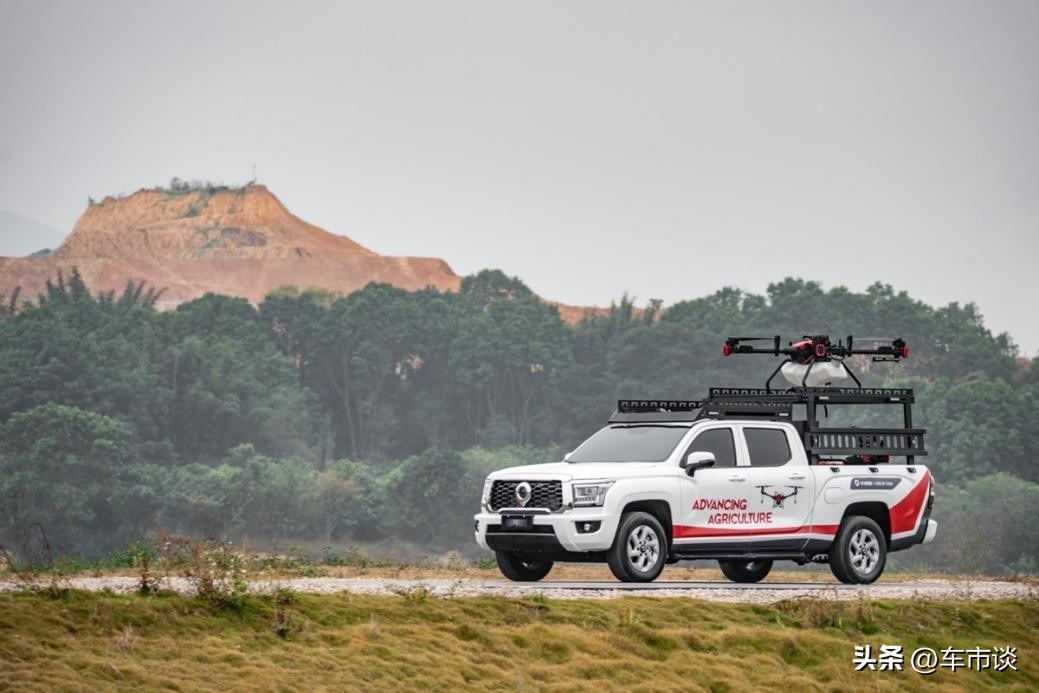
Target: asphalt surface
{"points": [[683, 585]]}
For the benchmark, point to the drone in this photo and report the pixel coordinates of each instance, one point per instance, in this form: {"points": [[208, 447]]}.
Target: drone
{"points": [[816, 361], [778, 497]]}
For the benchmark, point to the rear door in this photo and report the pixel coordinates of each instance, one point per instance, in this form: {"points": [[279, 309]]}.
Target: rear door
{"points": [[780, 485], [715, 500]]}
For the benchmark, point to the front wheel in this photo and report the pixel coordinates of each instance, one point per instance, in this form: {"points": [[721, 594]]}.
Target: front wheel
{"points": [[859, 553], [520, 568], [639, 550], [745, 571]]}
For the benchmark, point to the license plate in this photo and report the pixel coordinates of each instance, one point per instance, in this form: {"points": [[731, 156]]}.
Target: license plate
{"points": [[517, 523]]}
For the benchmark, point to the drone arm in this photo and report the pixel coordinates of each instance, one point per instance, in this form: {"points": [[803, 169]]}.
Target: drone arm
{"points": [[733, 346], [897, 349], [817, 347]]}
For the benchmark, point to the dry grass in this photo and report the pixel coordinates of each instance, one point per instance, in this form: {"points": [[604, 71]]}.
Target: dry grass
{"points": [[273, 567], [706, 571], [416, 642]]}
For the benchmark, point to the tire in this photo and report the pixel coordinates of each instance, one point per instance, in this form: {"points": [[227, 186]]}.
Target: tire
{"points": [[521, 568], [859, 553], [746, 571], [639, 550]]}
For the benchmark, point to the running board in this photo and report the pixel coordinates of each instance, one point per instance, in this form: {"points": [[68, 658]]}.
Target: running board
{"points": [[798, 556]]}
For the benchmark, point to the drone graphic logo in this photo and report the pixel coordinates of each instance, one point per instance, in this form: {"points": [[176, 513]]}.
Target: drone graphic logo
{"points": [[779, 496]]}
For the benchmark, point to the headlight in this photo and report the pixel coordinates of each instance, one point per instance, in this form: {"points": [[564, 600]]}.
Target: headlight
{"points": [[588, 495], [485, 499]]}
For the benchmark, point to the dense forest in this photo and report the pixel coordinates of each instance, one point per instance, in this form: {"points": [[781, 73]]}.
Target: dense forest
{"points": [[375, 416]]}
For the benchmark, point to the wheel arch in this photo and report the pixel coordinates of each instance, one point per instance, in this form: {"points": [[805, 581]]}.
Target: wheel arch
{"points": [[658, 508], [874, 510]]}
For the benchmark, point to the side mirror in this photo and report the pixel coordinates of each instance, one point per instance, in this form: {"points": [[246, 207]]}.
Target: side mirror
{"points": [[697, 460]]}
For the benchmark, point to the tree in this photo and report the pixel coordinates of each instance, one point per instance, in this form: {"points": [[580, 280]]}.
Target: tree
{"points": [[367, 349], [508, 349], [425, 493], [224, 383], [66, 471]]}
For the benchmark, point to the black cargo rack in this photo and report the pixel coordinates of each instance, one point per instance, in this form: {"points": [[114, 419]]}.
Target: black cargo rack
{"points": [[763, 404], [656, 411], [820, 441]]}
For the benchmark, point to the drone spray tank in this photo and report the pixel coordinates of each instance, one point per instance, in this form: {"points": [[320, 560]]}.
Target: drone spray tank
{"points": [[815, 371], [815, 361]]}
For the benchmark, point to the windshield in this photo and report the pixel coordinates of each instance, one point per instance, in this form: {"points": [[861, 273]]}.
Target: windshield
{"points": [[630, 443]]}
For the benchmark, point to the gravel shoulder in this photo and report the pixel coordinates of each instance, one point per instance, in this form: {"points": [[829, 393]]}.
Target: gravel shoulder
{"points": [[761, 593]]}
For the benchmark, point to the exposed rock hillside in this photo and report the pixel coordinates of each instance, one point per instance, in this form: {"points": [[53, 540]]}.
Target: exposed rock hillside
{"points": [[235, 241], [241, 242]]}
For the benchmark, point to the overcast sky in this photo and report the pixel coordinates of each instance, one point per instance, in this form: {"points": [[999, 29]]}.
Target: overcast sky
{"points": [[591, 148]]}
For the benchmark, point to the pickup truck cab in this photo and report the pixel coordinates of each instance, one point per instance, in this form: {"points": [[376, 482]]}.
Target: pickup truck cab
{"points": [[663, 484]]}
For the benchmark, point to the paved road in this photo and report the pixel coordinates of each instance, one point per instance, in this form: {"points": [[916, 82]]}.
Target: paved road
{"points": [[691, 584], [759, 593]]}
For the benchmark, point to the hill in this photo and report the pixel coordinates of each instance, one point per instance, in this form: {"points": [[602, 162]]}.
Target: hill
{"points": [[194, 240], [239, 242]]}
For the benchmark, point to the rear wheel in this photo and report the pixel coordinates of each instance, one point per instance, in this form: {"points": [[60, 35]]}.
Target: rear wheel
{"points": [[639, 550], [745, 571], [859, 553], [521, 568]]}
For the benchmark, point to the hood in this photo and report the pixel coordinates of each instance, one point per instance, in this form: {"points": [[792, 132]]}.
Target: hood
{"points": [[568, 471]]}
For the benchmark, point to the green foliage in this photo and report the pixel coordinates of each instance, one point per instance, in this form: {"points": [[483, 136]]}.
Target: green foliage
{"points": [[65, 468], [979, 426], [987, 525], [378, 414]]}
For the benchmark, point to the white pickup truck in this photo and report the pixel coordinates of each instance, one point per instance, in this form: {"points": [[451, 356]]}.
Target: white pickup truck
{"points": [[733, 479]]}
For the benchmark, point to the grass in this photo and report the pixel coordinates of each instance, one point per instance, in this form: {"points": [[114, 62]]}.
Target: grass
{"points": [[353, 564], [70, 639], [169, 555]]}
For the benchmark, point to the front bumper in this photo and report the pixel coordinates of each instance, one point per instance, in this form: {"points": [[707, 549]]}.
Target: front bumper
{"points": [[552, 532]]}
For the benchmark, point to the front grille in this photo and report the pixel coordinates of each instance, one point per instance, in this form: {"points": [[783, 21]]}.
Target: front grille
{"points": [[543, 494]]}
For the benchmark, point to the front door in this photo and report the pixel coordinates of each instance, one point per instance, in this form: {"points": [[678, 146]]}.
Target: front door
{"points": [[716, 501]]}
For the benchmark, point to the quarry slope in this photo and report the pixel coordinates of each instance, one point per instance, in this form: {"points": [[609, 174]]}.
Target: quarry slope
{"points": [[234, 241]]}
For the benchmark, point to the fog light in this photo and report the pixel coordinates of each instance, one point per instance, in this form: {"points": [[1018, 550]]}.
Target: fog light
{"points": [[587, 527]]}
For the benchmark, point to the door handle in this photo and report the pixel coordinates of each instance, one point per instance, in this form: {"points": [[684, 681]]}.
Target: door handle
{"points": [[796, 477], [737, 477]]}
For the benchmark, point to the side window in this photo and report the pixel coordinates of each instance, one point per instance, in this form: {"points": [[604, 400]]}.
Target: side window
{"points": [[718, 441], [768, 447]]}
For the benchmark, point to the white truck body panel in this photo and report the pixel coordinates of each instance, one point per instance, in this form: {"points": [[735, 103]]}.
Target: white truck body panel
{"points": [[790, 508]]}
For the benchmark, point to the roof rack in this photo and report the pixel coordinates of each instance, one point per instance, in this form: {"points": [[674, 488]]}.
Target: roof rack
{"points": [[771, 405], [802, 395], [735, 409], [656, 411], [642, 406]]}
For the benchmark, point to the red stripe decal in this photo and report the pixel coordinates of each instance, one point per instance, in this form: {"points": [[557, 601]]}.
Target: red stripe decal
{"points": [[905, 512], [687, 531]]}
